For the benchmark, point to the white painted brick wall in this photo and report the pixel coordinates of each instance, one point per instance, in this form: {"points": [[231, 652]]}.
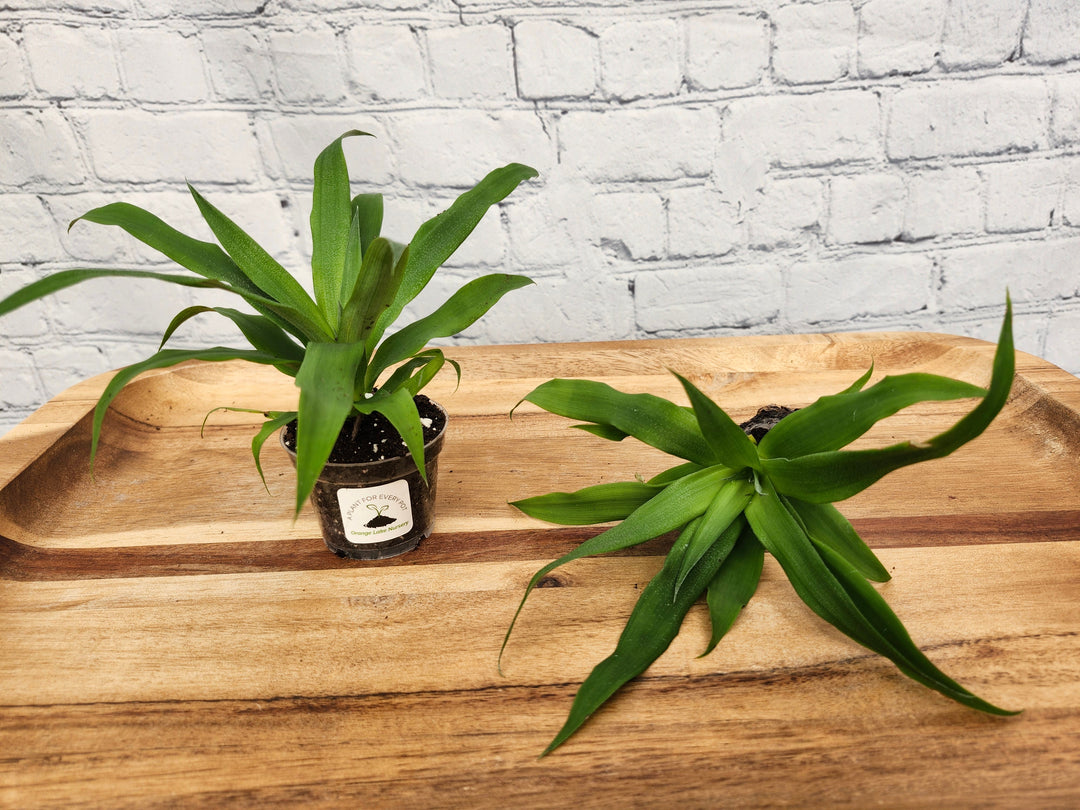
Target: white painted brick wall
{"points": [[746, 166]]}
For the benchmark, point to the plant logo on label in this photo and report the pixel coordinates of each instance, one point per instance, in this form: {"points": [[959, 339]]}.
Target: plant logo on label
{"points": [[375, 514]]}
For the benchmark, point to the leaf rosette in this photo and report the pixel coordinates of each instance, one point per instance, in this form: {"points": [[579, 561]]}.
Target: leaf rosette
{"points": [[734, 500], [339, 345]]}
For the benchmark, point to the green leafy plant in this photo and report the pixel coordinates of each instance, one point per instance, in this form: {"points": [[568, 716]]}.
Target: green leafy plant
{"points": [[733, 500], [338, 345]]}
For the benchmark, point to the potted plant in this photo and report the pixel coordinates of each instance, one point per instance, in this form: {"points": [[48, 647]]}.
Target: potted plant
{"points": [[359, 381], [734, 499]]}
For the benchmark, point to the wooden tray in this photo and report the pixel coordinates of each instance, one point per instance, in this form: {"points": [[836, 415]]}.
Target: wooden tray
{"points": [[171, 636]]}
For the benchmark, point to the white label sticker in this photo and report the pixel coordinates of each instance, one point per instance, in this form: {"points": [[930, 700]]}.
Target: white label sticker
{"points": [[375, 514]]}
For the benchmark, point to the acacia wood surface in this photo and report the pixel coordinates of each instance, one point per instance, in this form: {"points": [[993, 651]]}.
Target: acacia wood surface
{"points": [[172, 638]]}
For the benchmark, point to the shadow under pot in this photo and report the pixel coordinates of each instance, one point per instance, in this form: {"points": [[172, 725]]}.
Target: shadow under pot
{"points": [[373, 505]]}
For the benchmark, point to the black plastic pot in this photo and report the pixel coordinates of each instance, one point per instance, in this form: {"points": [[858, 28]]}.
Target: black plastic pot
{"points": [[379, 509]]}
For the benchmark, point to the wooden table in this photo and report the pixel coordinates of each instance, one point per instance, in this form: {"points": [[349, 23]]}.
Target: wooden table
{"points": [[171, 637]]}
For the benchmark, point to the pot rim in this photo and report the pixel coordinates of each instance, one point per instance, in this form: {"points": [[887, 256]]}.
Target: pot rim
{"points": [[376, 465]]}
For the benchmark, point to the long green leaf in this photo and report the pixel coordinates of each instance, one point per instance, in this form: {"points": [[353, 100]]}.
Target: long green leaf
{"points": [[63, 279], [459, 312], [653, 624], [835, 421], [258, 265], [374, 286], [648, 418], [596, 504], [438, 238], [203, 258], [673, 507], [164, 359], [826, 526], [331, 215], [734, 584], [724, 509], [836, 475], [262, 333], [271, 426], [845, 603], [368, 211], [729, 443], [325, 380], [400, 409]]}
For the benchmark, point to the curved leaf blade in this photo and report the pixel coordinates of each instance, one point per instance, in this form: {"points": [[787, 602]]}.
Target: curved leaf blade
{"points": [[600, 503], [734, 584], [839, 474], [460, 311], [653, 624], [331, 216], [729, 443], [827, 527], [835, 421], [325, 380], [722, 512], [672, 508], [437, 239], [653, 420], [164, 359], [259, 266], [398, 407]]}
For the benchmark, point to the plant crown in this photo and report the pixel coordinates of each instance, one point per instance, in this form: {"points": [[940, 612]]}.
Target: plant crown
{"points": [[733, 500], [338, 346]]}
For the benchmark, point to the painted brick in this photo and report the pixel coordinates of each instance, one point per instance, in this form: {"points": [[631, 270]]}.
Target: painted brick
{"points": [[27, 231], [474, 61], [787, 213], [724, 297], [1052, 33], [1033, 271], [1065, 110], [308, 65], [458, 148], [486, 245], [113, 305], [1023, 196], [947, 201], [985, 116], [981, 33], [845, 290], [68, 62], [807, 130], [726, 50], [73, 6], [546, 228], [139, 146], [201, 8], [640, 58], [161, 65], [291, 144], [85, 242], [38, 147], [630, 222], [20, 390], [700, 223], [63, 366], [1062, 348], [239, 64], [593, 304], [554, 60], [866, 208], [813, 43], [27, 322], [13, 75], [1071, 195], [638, 144], [385, 62], [899, 38]]}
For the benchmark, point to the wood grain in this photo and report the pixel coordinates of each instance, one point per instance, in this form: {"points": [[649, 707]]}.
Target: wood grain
{"points": [[172, 638]]}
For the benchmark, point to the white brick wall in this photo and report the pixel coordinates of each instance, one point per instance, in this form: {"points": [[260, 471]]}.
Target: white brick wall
{"points": [[732, 167]]}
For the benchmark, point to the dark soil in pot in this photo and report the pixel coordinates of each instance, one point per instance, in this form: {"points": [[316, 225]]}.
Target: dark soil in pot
{"points": [[370, 499]]}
